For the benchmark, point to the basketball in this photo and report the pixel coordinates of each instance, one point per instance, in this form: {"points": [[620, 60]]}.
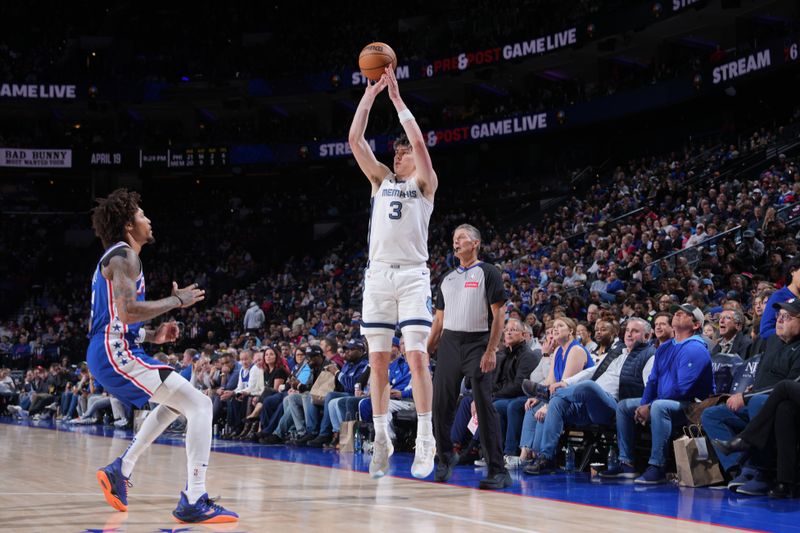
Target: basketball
{"points": [[374, 58]]}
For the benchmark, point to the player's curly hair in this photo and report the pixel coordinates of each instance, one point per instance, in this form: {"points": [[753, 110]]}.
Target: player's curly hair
{"points": [[112, 213]]}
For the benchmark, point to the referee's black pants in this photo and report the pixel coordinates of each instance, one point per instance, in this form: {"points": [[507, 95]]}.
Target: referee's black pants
{"points": [[460, 355]]}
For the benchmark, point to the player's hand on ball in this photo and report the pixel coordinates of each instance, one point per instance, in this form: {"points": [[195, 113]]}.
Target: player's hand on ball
{"points": [[188, 295], [391, 82], [167, 332], [375, 88]]}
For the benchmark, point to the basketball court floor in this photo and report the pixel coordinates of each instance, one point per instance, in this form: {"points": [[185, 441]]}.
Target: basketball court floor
{"points": [[47, 484]]}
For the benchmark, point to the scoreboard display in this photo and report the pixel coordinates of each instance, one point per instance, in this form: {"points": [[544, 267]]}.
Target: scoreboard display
{"points": [[185, 158]]}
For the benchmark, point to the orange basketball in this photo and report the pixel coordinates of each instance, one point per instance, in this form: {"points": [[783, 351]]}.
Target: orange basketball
{"points": [[374, 58]]}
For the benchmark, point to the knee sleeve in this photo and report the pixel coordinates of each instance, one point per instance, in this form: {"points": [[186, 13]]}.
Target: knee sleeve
{"points": [[416, 340], [379, 341]]}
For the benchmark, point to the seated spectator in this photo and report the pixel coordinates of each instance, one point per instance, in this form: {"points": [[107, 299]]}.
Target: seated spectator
{"points": [[570, 357], [276, 430], [731, 337], [791, 290], [607, 341], [69, 401], [662, 328], [780, 361], [330, 350], [775, 422], [356, 364], [585, 336], [8, 389], [276, 371], [591, 395], [96, 401], [190, 357], [514, 364], [681, 373], [235, 399]]}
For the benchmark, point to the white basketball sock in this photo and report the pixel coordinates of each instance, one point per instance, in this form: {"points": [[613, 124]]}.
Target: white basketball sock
{"points": [[381, 424], [424, 425], [154, 425], [197, 408]]}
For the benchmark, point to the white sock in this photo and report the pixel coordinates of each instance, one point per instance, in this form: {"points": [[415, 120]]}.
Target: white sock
{"points": [[381, 423], [154, 425], [197, 409], [424, 425], [196, 486]]}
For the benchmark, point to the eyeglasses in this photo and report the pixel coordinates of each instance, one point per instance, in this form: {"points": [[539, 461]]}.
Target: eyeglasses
{"points": [[512, 329], [783, 316]]}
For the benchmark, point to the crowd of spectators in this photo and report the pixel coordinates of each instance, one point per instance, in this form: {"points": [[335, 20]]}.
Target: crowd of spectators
{"points": [[594, 274]]}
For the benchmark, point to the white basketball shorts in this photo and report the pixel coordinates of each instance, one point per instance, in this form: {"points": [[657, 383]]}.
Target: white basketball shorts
{"points": [[396, 295]]}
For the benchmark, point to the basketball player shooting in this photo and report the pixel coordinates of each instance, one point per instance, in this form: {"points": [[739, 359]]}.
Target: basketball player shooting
{"points": [[397, 289], [117, 361]]}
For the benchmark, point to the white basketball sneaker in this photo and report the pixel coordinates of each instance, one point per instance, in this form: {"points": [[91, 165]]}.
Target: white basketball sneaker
{"points": [[379, 464], [424, 452]]}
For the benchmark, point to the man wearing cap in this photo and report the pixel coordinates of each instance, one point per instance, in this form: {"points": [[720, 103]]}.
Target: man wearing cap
{"points": [[681, 373], [789, 291], [253, 318], [356, 363], [469, 322], [781, 360]]}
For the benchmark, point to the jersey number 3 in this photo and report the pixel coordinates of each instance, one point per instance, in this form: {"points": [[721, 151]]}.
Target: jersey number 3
{"points": [[397, 210]]}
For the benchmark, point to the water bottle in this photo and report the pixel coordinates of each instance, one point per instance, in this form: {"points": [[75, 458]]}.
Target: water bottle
{"points": [[612, 461], [357, 390], [569, 462], [357, 444], [216, 430]]}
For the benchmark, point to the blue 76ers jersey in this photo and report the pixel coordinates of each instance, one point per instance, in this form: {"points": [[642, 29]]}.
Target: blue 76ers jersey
{"points": [[104, 312]]}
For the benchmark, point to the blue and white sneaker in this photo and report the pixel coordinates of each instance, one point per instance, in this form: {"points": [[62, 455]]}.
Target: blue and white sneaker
{"points": [[654, 475], [620, 471], [114, 485], [204, 511]]}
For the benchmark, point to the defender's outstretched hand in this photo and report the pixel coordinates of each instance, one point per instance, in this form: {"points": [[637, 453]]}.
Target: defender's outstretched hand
{"points": [[188, 295]]}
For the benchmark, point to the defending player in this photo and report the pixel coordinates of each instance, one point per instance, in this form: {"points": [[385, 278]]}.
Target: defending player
{"points": [[397, 287], [116, 359]]}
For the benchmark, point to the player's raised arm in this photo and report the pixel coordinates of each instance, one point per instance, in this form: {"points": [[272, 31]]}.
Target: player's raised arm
{"points": [[426, 176], [370, 166], [122, 271]]}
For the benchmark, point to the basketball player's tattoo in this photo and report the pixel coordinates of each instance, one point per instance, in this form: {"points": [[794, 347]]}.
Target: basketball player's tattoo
{"points": [[123, 273]]}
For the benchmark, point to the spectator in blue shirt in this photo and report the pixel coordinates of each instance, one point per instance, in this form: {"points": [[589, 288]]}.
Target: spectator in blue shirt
{"points": [[681, 373], [791, 290]]}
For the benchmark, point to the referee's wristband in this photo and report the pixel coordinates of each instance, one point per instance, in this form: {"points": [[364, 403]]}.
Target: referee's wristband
{"points": [[405, 115]]}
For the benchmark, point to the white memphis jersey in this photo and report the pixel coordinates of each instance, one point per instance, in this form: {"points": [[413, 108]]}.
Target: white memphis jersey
{"points": [[398, 226]]}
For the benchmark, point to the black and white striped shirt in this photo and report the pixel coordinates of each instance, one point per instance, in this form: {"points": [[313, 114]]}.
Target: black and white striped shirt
{"points": [[468, 295]]}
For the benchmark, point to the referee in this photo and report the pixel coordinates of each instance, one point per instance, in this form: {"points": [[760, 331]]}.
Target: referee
{"points": [[467, 329]]}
